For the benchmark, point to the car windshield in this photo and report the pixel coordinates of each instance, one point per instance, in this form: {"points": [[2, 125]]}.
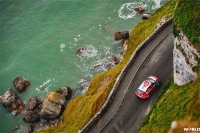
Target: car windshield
{"points": [[151, 80], [140, 91]]}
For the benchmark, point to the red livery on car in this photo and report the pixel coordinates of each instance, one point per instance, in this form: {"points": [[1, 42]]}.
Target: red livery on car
{"points": [[147, 87]]}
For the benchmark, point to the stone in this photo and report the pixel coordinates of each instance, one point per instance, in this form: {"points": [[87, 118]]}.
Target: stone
{"points": [[11, 101], [33, 103], [19, 110], [139, 9], [146, 16], [30, 116], [118, 36], [21, 84], [116, 59], [121, 35], [65, 91], [52, 105], [81, 51]]}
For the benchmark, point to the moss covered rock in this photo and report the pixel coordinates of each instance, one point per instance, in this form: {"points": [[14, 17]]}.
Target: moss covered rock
{"points": [[52, 105]]}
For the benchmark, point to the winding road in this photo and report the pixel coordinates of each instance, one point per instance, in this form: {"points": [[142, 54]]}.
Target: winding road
{"points": [[127, 112]]}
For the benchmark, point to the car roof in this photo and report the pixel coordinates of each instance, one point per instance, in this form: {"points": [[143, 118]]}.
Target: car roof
{"points": [[144, 86]]}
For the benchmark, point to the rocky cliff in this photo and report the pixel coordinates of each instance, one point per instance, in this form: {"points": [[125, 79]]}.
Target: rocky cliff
{"points": [[186, 31], [185, 60]]}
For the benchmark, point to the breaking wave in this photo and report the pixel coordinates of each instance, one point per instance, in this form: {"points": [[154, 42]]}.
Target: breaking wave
{"points": [[156, 4], [44, 87], [86, 51], [126, 11]]}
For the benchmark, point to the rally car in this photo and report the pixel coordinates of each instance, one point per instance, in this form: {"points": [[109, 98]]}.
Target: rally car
{"points": [[147, 87]]}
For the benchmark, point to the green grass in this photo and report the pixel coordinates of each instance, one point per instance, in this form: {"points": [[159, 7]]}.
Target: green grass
{"points": [[82, 108], [187, 19], [175, 103]]}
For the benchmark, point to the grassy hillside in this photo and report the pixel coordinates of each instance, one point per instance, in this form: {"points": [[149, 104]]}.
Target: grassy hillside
{"points": [[82, 108]]}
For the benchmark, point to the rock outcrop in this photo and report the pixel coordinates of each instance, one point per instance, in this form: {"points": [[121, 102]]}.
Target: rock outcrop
{"points": [[52, 105], [12, 102], [21, 84], [81, 51], [184, 60], [121, 35], [33, 110], [146, 16], [34, 103], [138, 9], [31, 116], [65, 91], [49, 109]]}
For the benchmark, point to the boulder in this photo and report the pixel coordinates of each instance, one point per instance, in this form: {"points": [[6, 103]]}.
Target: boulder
{"points": [[118, 36], [121, 35], [52, 105], [146, 16], [65, 91], [21, 84], [34, 103], [116, 59], [12, 102], [81, 51], [139, 9], [31, 116]]}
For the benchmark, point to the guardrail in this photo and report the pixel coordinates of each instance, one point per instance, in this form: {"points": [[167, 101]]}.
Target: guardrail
{"points": [[120, 77]]}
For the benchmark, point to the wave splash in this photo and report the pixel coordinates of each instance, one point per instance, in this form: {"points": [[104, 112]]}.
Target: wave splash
{"points": [[86, 51], [44, 88], [126, 11]]}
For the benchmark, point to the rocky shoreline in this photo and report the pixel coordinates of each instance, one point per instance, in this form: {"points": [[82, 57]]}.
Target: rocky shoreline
{"points": [[37, 111]]}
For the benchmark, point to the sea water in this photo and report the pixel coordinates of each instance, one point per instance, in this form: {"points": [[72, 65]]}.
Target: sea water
{"points": [[39, 40]]}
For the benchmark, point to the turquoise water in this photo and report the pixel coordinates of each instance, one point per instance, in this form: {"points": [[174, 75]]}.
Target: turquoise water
{"points": [[39, 40]]}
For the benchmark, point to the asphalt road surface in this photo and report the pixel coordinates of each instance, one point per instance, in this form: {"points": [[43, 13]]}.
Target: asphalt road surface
{"points": [[127, 112]]}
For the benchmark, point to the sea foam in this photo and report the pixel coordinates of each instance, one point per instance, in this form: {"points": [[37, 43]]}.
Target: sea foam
{"points": [[44, 88], [126, 11]]}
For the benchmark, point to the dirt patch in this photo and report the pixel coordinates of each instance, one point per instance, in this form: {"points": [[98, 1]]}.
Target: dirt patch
{"points": [[104, 83]]}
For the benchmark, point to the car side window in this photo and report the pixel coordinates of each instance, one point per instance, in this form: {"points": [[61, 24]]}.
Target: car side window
{"points": [[149, 87]]}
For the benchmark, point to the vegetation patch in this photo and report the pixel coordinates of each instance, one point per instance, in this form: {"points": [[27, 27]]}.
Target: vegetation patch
{"points": [[174, 104], [187, 18], [82, 108], [175, 31]]}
